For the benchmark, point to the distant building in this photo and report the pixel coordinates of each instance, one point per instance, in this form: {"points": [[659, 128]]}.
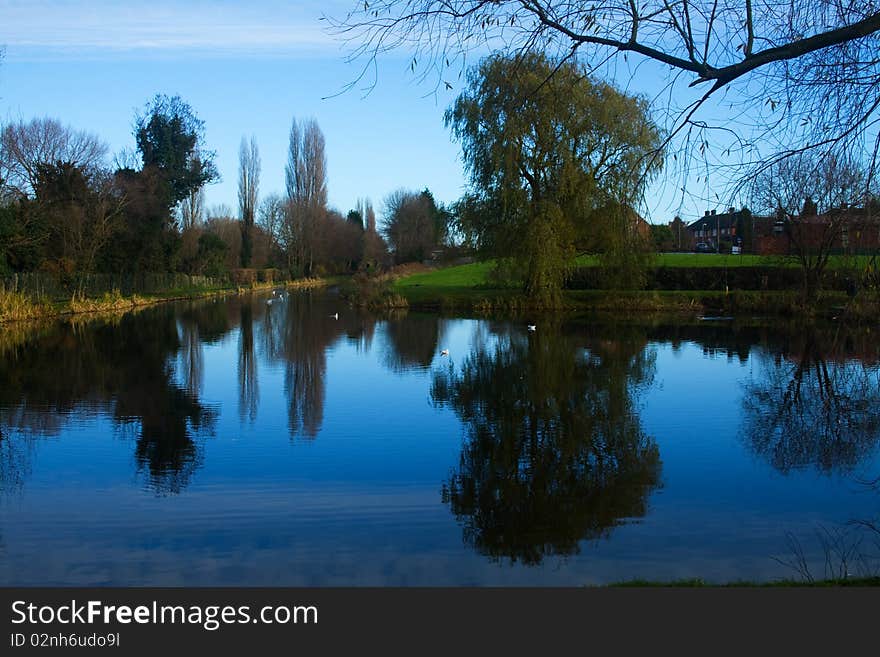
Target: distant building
{"points": [[845, 229], [720, 231]]}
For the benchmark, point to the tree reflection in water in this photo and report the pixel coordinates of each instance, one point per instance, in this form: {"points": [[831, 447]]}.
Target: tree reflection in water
{"points": [[554, 451], [248, 380], [816, 404], [412, 341], [298, 333], [123, 368]]}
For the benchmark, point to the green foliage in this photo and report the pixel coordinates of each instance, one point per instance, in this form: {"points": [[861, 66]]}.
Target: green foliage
{"points": [[170, 138], [81, 212], [626, 251], [147, 240], [23, 233], [546, 147], [441, 218], [551, 254]]}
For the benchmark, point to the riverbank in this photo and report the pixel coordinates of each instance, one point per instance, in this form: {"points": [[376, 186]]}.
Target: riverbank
{"points": [[18, 306], [468, 288], [830, 305]]}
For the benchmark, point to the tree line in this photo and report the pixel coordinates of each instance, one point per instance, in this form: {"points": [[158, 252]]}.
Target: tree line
{"points": [[801, 77], [66, 210]]}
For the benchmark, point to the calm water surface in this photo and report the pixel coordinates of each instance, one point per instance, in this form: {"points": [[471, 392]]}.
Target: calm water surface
{"points": [[239, 442]]}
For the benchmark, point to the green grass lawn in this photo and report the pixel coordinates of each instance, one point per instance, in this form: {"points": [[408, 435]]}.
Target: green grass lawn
{"points": [[476, 275], [461, 276]]}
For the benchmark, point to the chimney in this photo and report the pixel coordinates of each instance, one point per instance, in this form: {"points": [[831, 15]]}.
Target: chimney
{"points": [[713, 213], [731, 209], [707, 214]]}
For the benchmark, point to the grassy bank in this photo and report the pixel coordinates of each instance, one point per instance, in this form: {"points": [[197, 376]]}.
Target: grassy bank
{"points": [[17, 306], [483, 300], [477, 275], [468, 288]]}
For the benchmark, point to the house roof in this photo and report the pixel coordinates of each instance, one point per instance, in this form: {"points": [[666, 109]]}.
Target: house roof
{"points": [[713, 221]]}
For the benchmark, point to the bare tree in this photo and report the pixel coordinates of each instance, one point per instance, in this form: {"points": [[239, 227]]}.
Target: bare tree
{"points": [[306, 180], [374, 250], [805, 73], [25, 146], [221, 221], [271, 217], [811, 197], [342, 243], [409, 225], [248, 189], [369, 216], [192, 209], [306, 171], [219, 211], [827, 183]]}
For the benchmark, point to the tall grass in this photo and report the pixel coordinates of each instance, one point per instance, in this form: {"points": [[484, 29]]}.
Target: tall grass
{"points": [[107, 302], [16, 306], [25, 297], [373, 292]]}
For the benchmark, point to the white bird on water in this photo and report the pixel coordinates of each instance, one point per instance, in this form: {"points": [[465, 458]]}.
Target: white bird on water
{"points": [[335, 315], [445, 352], [531, 327]]}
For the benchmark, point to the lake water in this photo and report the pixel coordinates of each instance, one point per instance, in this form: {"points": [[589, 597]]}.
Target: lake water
{"points": [[235, 442]]}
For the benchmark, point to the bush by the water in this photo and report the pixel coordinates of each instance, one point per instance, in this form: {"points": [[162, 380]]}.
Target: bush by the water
{"points": [[713, 278]]}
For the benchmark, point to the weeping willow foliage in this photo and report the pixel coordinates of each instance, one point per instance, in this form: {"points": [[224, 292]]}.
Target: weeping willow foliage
{"points": [[547, 148]]}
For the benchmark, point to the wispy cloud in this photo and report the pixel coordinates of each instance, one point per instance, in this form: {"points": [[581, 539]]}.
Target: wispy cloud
{"points": [[47, 28]]}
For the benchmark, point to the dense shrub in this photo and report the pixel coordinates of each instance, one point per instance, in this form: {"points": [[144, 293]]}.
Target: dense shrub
{"points": [[713, 278]]}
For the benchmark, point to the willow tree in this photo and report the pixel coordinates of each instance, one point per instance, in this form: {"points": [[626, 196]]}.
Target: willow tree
{"points": [[546, 147]]}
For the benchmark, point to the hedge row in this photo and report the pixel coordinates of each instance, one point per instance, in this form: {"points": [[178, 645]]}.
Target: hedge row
{"points": [[714, 278]]}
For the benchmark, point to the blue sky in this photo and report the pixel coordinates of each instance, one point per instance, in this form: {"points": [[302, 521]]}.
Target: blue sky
{"points": [[246, 70]]}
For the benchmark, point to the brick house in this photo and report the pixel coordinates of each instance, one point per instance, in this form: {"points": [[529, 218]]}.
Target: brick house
{"points": [[844, 229], [715, 229]]}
